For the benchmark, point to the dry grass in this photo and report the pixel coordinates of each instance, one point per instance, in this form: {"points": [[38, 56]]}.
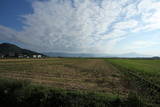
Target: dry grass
{"points": [[68, 73]]}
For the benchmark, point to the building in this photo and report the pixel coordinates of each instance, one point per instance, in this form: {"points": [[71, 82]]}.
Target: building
{"points": [[39, 56], [27, 57], [34, 56], [11, 54], [20, 56], [2, 56]]}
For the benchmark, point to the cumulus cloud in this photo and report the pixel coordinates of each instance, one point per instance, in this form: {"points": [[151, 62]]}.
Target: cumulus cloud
{"points": [[84, 25]]}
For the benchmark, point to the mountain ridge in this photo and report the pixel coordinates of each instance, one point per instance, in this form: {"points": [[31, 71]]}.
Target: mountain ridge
{"points": [[125, 55], [11, 50], [8, 49]]}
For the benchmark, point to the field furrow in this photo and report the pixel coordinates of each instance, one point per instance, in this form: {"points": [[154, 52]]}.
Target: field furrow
{"points": [[80, 74]]}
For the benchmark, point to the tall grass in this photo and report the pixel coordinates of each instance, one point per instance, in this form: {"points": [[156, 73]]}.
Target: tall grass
{"points": [[24, 94]]}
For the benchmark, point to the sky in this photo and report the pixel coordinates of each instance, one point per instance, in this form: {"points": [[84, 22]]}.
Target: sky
{"points": [[82, 26]]}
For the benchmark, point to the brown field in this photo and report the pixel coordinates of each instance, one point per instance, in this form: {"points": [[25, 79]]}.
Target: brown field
{"points": [[67, 73]]}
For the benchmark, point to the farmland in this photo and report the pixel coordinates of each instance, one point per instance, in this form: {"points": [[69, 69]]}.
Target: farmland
{"points": [[82, 74], [146, 68], [104, 81], [142, 75]]}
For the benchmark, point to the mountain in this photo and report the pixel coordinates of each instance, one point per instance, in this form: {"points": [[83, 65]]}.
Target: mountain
{"points": [[59, 54], [11, 50], [132, 55], [126, 55]]}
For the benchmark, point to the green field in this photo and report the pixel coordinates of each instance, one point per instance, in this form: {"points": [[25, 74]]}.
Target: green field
{"points": [[143, 76], [146, 68], [92, 81]]}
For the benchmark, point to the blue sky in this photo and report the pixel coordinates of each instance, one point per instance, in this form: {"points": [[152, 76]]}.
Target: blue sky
{"points": [[82, 26], [11, 12]]}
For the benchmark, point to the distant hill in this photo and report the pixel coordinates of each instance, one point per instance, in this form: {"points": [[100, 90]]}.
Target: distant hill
{"points": [[126, 55], [11, 50], [58, 54], [155, 57], [132, 55]]}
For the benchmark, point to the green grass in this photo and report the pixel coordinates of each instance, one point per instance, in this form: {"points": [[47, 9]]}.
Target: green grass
{"points": [[23, 93], [71, 82], [146, 68], [142, 76]]}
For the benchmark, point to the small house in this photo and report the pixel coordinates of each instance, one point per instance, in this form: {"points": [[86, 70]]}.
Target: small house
{"points": [[39, 56], [27, 57], [20, 55], [11, 54], [1, 56], [34, 56]]}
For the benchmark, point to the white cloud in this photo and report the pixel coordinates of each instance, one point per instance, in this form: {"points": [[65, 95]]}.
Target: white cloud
{"points": [[84, 25], [62, 27], [131, 10], [126, 25], [117, 33], [150, 14], [7, 34]]}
